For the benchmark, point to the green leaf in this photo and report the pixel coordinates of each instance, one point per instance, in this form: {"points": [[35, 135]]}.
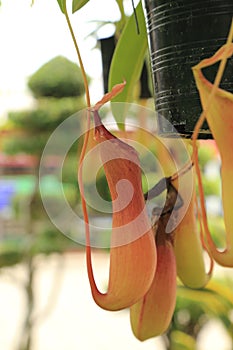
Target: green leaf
{"points": [[128, 59], [62, 4], [182, 341], [209, 300], [77, 4]]}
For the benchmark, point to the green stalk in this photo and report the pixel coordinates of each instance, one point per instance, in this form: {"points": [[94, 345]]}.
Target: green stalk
{"points": [[79, 55]]}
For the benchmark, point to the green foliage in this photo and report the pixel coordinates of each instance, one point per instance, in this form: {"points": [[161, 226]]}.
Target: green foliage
{"points": [[70, 166], [128, 59], [195, 307], [181, 341], [62, 5], [212, 187], [12, 250], [48, 115], [50, 188], [30, 143], [50, 240], [78, 4], [206, 153], [218, 231], [102, 186], [57, 78]]}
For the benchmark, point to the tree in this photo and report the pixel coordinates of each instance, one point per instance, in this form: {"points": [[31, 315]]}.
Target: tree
{"points": [[58, 89], [57, 78]]}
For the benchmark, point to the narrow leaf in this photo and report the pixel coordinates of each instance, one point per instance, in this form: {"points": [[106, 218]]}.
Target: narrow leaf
{"points": [[62, 4], [78, 4], [128, 59]]}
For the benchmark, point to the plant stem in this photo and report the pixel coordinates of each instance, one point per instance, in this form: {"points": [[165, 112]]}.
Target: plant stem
{"points": [[26, 338], [28, 326], [79, 56], [86, 137]]}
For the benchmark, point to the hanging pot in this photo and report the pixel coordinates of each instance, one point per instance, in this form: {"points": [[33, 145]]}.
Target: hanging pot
{"points": [[107, 47], [182, 33]]}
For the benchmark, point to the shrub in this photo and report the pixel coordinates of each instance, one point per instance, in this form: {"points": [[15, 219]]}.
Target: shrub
{"points": [[57, 78]]}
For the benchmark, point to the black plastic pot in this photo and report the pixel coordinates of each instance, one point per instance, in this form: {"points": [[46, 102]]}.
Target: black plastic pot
{"points": [[181, 34], [107, 47]]}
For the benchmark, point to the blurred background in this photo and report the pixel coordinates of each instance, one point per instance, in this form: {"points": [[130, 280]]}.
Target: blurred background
{"points": [[45, 299]]}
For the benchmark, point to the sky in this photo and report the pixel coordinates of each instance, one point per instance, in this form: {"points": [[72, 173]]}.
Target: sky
{"points": [[33, 35]]}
